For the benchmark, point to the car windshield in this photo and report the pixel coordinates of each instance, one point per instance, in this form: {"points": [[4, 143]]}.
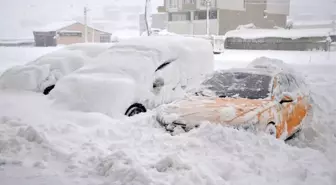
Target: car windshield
{"points": [[238, 84]]}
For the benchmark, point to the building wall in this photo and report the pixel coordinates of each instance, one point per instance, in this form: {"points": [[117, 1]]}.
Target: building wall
{"points": [[231, 14], [93, 35], [254, 14], [199, 27], [231, 4], [159, 20], [180, 27], [278, 7], [45, 39]]}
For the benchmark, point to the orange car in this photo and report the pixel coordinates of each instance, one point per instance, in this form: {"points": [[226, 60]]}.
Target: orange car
{"points": [[258, 98]]}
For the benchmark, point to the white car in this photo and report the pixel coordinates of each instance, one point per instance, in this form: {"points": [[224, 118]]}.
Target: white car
{"points": [[41, 74], [137, 74]]}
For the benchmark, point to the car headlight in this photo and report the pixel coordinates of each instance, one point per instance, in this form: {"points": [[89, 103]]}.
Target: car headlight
{"points": [[250, 125]]}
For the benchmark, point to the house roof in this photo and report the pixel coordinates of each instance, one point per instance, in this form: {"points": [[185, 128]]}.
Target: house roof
{"points": [[55, 26]]}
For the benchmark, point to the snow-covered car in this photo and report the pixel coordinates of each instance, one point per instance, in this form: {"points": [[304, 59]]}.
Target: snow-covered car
{"points": [[137, 74], [266, 96], [41, 74]]}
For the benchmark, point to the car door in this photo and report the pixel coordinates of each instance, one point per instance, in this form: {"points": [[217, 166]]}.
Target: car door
{"points": [[166, 82], [299, 104], [285, 109]]}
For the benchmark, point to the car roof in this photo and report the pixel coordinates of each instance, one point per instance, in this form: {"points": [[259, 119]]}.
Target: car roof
{"points": [[259, 71]]}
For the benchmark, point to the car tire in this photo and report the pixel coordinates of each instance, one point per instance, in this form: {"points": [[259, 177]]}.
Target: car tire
{"points": [[48, 89], [271, 129], [135, 109]]}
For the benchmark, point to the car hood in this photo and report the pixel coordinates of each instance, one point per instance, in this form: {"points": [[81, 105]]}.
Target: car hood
{"points": [[217, 110]]}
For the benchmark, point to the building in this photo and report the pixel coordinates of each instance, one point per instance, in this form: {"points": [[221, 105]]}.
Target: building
{"points": [[68, 32], [280, 39], [159, 21], [189, 16]]}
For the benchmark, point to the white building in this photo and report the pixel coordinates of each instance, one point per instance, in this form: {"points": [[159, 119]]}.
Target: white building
{"points": [[189, 16]]}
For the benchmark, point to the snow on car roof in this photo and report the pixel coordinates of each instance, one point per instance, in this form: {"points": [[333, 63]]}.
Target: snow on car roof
{"points": [[278, 33], [169, 47], [264, 66]]}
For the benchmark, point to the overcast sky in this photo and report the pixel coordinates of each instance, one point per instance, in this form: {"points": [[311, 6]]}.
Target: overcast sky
{"points": [[18, 17]]}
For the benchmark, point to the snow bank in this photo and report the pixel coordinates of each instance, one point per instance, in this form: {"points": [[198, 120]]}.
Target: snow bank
{"points": [[131, 65], [52, 145]]}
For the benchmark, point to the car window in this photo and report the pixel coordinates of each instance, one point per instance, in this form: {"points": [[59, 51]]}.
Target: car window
{"points": [[293, 84], [282, 85], [239, 84]]}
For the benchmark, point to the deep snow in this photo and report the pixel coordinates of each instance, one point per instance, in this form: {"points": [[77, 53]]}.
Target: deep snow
{"points": [[41, 143]]}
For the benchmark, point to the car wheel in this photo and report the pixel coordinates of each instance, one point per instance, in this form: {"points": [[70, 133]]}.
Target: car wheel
{"points": [[48, 89], [134, 109], [271, 129]]}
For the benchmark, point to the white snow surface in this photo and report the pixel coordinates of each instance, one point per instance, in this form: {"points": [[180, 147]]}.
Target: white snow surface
{"points": [[279, 33], [46, 70], [41, 143]]}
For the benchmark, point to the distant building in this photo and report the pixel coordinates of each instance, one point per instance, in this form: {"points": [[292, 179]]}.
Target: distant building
{"points": [[68, 32], [159, 21], [189, 16], [280, 39]]}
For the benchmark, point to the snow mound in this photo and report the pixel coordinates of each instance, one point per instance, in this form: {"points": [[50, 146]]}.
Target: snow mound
{"points": [[90, 148], [125, 74], [246, 26], [271, 64], [48, 69]]}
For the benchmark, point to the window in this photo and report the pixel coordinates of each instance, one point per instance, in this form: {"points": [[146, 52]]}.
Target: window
{"points": [[180, 16], [70, 34], [201, 15], [239, 84], [105, 38], [189, 1], [293, 84], [172, 3]]}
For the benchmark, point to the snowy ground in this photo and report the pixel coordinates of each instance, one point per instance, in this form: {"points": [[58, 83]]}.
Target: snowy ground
{"points": [[43, 144], [10, 56]]}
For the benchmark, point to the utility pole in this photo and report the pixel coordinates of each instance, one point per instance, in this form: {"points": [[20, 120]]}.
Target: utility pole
{"points": [[147, 14], [85, 24], [207, 4], [333, 14]]}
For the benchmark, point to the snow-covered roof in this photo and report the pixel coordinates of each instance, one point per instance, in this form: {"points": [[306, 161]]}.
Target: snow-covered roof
{"points": [[312, 23], [279, 33], [55, 26]]}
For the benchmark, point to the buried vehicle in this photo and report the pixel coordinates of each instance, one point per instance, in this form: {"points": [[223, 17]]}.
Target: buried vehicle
{"points": [[137, 74], [42, 74], [259, 98]]}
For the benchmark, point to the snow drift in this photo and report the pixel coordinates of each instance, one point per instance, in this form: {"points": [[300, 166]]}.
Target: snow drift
{"points": [[48, 69], [126, 72]]}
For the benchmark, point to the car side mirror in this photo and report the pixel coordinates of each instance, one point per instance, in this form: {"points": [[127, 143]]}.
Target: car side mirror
{"points": [[157, 85], [286, 98]]}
